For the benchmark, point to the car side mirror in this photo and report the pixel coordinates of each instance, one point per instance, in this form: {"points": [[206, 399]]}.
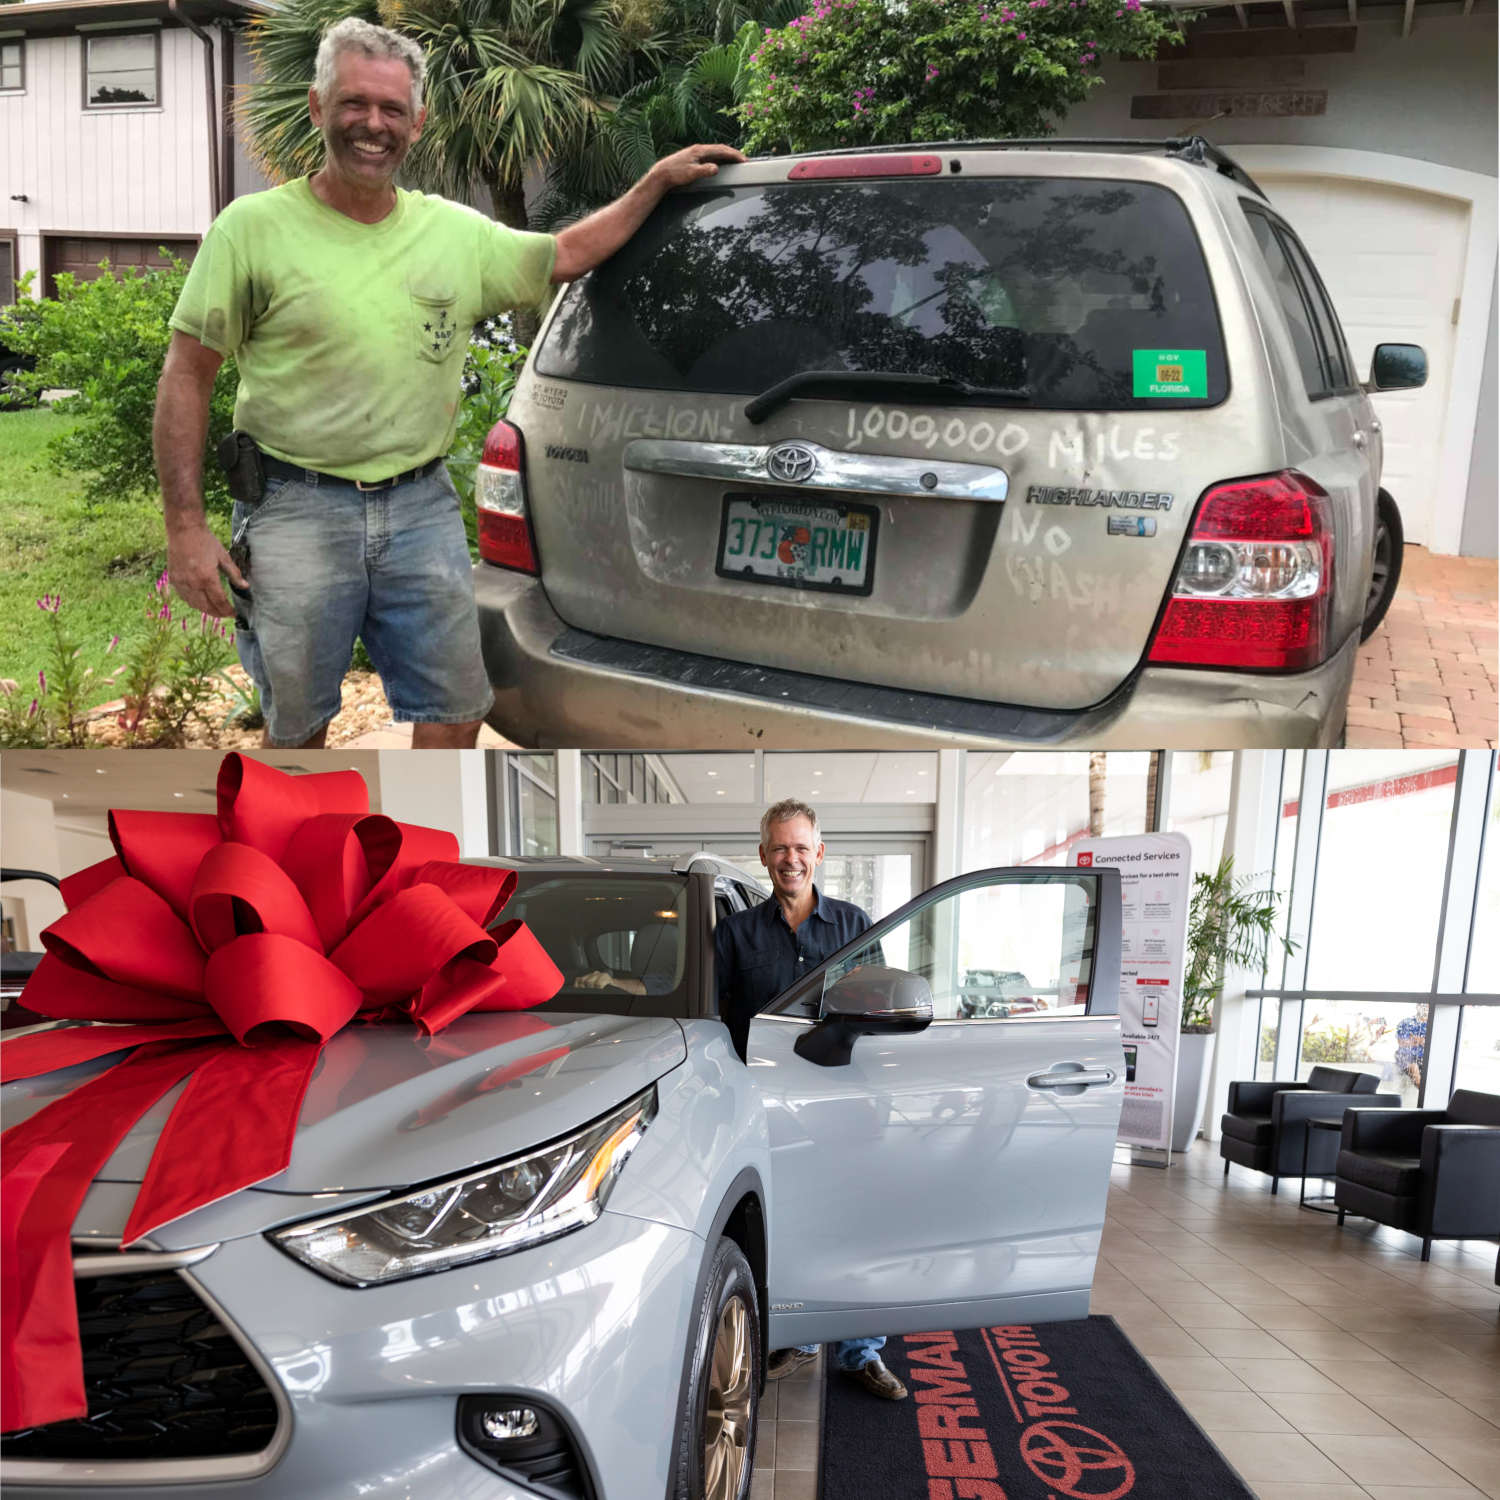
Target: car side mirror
{"points": [[872, 998], [1398, 367]]}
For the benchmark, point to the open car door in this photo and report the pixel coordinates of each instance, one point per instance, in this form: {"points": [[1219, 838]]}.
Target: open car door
{"points": [[935, 1161]]}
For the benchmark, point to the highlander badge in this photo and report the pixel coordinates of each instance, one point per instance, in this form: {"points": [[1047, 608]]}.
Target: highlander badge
{"points": [[791, 463]]}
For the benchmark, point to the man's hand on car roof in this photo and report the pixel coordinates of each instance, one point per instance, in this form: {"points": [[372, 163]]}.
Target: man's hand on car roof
{"points": [[692, 163]]}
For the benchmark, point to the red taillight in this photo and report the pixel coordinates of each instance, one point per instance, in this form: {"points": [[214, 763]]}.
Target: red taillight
{"points": [[1254, 589], [500, 501], [866, 166]]}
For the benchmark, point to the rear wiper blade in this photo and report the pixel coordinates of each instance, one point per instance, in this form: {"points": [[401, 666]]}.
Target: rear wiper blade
{"points": [[851, 382]]}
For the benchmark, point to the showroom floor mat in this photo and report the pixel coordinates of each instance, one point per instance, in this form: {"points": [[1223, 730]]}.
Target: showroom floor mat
{"points": [[1059, 1411]]}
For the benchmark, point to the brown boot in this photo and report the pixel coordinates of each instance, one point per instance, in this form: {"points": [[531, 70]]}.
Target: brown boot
{"points": [[879, 1381]]}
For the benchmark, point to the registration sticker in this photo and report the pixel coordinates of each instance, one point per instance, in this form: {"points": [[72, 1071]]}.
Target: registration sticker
{"points": [[1169, 372]]}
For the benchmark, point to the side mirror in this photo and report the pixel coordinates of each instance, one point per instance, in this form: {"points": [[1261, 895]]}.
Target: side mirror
{"points": [[869, 999], [1398, 367]]}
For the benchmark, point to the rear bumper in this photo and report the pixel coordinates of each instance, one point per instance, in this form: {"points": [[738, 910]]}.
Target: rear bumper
{"points": [[558, 686]]}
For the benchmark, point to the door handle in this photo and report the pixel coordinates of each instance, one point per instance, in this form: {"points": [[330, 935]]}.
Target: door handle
{"points": [[1359, 440], [1078, 1077]]}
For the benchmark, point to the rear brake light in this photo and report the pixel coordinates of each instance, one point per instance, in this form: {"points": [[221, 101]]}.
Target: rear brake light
{"points": [[1254, 589], [500, 500], [866, 166]]}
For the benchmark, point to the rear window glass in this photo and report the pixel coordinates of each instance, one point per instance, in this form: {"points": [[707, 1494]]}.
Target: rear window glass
{"points": [[1063, 286], [618, 939]]}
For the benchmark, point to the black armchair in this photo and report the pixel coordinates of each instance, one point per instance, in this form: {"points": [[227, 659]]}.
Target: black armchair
{"points": [[1432, 1172], [1266, 1130]]}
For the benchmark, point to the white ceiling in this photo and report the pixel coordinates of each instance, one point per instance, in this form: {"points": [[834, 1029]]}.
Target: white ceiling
{"points": [[827, 776], [83, 784]]}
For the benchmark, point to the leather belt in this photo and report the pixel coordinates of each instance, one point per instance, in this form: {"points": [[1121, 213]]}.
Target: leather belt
{"points": [[276, 468]]}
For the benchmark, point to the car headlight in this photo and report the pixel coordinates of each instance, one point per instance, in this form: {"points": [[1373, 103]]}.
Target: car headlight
{"points": [[491, 1211]]}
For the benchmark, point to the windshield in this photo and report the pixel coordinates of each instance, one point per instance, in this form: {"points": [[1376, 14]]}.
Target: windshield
{"points": [[618, 939], [1057, 287]]}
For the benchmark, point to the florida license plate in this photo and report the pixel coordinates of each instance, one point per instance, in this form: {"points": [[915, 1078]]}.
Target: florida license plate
{"points": [[800, 544]]}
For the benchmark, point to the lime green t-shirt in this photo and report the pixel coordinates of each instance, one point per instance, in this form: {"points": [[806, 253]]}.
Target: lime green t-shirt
{"points": [[350, 337]]}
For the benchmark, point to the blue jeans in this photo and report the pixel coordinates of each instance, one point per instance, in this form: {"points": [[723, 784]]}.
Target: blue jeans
{"points": [[851, 1354], [328, 563]]}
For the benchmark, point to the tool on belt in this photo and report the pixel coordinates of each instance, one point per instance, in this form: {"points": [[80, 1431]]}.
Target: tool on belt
{"points": [[240, 460]]}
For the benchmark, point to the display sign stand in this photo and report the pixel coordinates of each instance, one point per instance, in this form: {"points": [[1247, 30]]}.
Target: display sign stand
{"points": [[1155, 891]]}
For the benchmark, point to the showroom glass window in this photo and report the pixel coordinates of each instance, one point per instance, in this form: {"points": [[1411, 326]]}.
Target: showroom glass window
{"points": [[1479, 1032], [1033, 807], [533, 803], [1199, 802], [1289, 805], [1381, 865]]}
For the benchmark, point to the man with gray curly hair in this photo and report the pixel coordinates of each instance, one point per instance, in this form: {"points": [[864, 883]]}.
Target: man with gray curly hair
{"points": [[347, 304], [761, 952]]}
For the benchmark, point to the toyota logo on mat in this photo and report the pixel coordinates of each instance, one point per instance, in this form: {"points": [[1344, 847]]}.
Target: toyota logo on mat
{"points": [[791, 463], [1077, 1461]]}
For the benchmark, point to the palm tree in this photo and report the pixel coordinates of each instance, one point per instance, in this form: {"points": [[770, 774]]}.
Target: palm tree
{"points": [[587, 92], [510, 83]]}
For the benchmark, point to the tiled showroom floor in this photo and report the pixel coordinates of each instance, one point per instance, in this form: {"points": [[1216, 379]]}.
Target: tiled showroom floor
{"points": [[1326, 1364]]}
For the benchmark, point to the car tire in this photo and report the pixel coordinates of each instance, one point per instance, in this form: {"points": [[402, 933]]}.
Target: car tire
{"points": [[717, 1421], [1386, 564]]}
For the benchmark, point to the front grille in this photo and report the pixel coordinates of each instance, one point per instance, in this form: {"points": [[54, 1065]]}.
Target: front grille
{"points": [[164, 1378]]}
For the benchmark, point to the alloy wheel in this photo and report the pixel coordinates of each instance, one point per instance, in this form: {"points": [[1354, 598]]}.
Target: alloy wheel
{"points": [[726, 1419]]}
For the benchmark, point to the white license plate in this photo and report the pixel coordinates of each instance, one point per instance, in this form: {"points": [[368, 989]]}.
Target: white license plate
{"points": [[800, 544]]}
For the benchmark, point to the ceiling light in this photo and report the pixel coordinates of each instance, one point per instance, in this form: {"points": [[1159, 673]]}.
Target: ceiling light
{"points": [[817, 773], [98, 770], [718, 791], [176, 794], [713, 773]]}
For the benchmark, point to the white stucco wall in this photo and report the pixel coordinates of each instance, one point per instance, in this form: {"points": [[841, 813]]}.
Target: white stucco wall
{"points": [[1430, 95]]}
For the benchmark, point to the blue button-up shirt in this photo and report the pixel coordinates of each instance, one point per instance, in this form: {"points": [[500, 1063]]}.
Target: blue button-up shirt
{"points": [[757, 955]]}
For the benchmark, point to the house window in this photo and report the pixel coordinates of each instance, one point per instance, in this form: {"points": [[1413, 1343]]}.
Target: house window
{"points": [[12, 66], [121, 69]]}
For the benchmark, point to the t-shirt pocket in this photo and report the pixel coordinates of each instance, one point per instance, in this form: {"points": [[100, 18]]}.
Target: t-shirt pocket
{"points": [[434, 324]]}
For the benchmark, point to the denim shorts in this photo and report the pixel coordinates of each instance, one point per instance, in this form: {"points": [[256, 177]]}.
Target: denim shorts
{"points": [[329, 563]]}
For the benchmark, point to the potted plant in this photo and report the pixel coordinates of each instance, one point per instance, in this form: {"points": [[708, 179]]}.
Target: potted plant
{"points": [[1230, 926]]}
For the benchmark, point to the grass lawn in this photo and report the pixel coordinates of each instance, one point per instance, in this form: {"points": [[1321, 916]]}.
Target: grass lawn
{"points": [[103, 560]]}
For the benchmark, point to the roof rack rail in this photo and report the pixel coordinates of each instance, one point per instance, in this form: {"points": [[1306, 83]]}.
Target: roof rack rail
{"points": [[1196, 149]]}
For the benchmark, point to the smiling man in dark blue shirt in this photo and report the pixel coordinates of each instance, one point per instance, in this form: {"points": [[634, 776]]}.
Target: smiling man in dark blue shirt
{"points": [[759, 953]]}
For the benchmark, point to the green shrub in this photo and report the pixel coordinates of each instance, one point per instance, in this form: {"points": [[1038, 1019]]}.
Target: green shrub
{"points": [[864, 72], [107, 340], [492, 366]]}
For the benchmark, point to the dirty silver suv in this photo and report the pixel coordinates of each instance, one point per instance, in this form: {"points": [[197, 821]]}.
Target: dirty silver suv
{"points": [[982, 443]]}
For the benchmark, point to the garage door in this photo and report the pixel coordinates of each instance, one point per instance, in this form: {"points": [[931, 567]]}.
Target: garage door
{"points": [[81, 254], [1393, 260]]}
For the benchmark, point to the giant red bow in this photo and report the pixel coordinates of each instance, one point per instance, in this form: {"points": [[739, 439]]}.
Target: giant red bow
{"points": [[238, 944]]}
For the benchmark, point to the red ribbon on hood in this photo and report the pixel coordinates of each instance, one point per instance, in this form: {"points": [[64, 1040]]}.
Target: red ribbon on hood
{"points": [[232, 947]]}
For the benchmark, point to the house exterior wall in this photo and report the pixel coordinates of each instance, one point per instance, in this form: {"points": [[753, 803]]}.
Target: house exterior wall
{"points": [[126, 171], [1430, 95]]}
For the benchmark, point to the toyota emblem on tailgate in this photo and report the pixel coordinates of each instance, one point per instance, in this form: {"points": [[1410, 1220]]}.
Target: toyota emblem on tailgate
{"points": [[791, 463]]}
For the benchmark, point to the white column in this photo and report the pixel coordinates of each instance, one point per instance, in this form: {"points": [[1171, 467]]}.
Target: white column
{"points": [[1465, 843], [1249, 837], [569, 801], [947, 824], [438, 789]]}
